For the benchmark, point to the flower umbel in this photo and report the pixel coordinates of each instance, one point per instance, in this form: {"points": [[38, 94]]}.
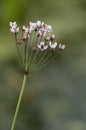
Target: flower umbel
{"points": [[39, 42]]}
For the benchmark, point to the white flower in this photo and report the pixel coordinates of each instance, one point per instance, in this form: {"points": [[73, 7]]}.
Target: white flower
{"points": [[39, 24], [13, 24], [26, 29], [14, 28], [42, 47], [41, 33], [62, 47], [32, 26], [49, 28], [53, 45], [46, 28]]}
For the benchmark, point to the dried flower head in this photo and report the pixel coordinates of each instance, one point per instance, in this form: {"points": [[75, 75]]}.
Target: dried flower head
{"points": [[39, 43]]}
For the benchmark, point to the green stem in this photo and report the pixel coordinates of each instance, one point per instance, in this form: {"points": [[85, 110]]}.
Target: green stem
{"points": [[18, 51], [26, 56], [19, 102]]}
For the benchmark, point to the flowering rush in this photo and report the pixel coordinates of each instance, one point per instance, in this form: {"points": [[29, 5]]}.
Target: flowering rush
{"points": [[36, 47], [39, 44]]}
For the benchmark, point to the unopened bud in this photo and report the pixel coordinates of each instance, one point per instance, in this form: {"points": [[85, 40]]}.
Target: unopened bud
{"points": [[52, 37]]}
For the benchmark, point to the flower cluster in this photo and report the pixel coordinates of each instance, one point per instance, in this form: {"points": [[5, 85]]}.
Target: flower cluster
{"points": [[39, 43]]}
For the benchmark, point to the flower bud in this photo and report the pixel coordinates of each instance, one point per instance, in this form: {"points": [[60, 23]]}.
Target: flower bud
{"points": [[52, 37]]}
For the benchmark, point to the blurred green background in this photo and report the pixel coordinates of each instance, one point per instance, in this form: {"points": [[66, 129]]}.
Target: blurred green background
{"points": [[55, 97]]}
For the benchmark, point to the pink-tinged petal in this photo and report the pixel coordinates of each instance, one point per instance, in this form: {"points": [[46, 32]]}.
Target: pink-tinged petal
{"points": [[53, 45], [39, 46], [50, 44], [63, 47], [12, 30], [17, 30], [45, 47], [41, 43], [14, 24], [38, 23]]}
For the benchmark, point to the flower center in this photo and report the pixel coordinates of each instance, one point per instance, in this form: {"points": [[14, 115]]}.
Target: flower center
{"points": [[42, 47]]}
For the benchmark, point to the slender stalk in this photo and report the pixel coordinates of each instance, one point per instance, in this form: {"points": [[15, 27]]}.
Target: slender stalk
{"points": [[19, 102], [18, 51], [26, 56]]}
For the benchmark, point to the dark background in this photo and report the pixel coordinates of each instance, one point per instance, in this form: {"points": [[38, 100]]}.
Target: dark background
{"points": [[55, 97]]}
